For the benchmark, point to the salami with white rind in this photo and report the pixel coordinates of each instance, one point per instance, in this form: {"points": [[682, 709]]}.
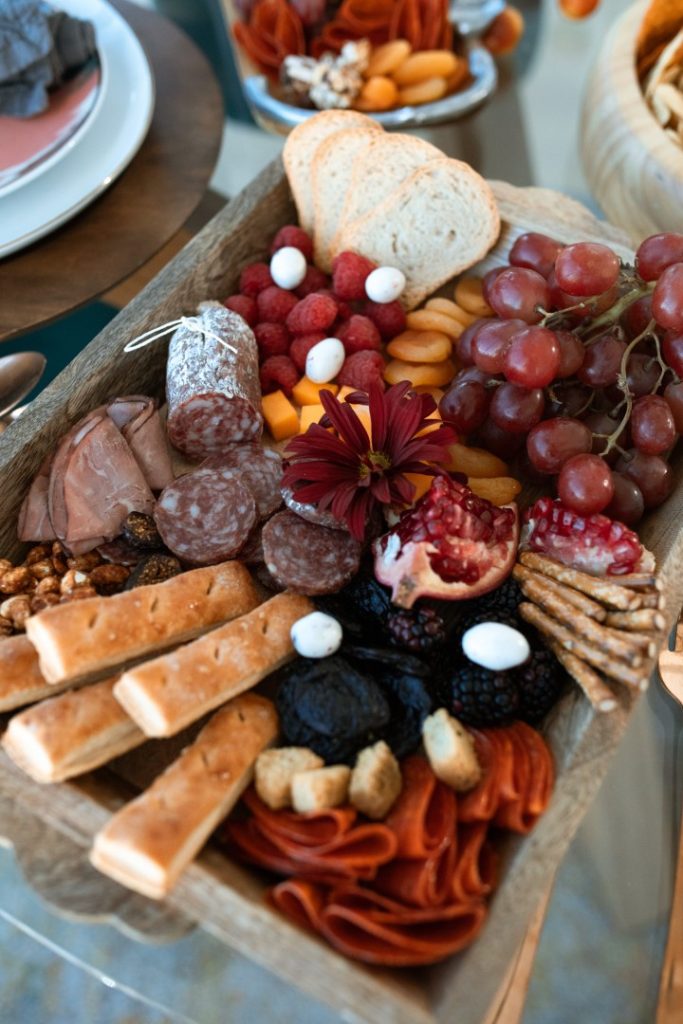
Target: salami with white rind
{"points": [[308, 559], [206, 517], [213, 393], [258, 468], [310, 513]]}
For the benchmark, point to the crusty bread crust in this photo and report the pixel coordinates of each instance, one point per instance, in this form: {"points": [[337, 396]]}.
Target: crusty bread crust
{"points": [[87, 639], [21, 681], [170, 692], [148, 843]]}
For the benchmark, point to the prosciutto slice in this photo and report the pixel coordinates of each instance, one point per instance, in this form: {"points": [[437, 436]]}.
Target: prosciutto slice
{"points": [[34, 516], [137, 417]]}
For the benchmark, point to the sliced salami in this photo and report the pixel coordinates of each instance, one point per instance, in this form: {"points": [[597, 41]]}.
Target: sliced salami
{"points": [[310, 513], [307, 558], [258, 468], [252, 552], [205, 517], [214, 395]]}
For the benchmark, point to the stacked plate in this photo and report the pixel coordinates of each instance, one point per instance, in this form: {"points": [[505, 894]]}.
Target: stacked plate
{"points": [[54, 164]]}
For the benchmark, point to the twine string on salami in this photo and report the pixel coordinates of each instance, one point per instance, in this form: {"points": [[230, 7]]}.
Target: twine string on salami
{"points": [[191, 323]]}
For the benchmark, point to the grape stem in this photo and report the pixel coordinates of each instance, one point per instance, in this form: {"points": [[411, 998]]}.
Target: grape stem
{"points": [[611, 315], [622, 384]]}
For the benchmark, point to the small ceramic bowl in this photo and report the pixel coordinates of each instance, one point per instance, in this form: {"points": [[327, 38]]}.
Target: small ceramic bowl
{"points": [[634, 169]]}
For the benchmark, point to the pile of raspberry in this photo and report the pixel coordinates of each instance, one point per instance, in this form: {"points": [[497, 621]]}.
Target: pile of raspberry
{"points": [[287, 324]]}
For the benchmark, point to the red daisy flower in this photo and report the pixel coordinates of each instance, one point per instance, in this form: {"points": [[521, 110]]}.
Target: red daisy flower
{"points": [[352, 474]]}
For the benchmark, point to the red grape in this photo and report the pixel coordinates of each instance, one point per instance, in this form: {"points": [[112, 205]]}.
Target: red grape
{"points": [[673, 393], [532, 358], [602, 362], [627, 505], [637, 316], [672, 351], [502, 443], [652, 474], [667, 299], [551, 443], [465, 406], [586, 268], [572, 353], [472, 373], [642, 374], [463, 345], [580, 308], [603, 423], [535, 252], [657, 253], [516, 409], [585, 484], [491, 341], [570, 400], [653, 429], [521, 293], [487, 282]]}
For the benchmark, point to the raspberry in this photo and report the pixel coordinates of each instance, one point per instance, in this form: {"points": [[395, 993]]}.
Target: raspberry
{"points": [[349, 271], [314, 281], [245, 305], [361, 369], [272, 340], [255, 278], [302, 345], [295, 236], [275, 304], [359, 334], [278, 372], [388, 317], [344, 311], [316, 312]]}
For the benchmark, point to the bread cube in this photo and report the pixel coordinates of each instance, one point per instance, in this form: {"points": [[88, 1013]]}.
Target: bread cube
{"points": [[275, 769], [375, 781]]}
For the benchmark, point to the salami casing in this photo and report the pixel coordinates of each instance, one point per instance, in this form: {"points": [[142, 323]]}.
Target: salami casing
{"points": [[310, 513], [306, 558]]}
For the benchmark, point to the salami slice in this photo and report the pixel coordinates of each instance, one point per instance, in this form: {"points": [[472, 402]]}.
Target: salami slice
{"points": [[205, 517], [306, 558], [310, 513], [214, 395], [258, 468]]}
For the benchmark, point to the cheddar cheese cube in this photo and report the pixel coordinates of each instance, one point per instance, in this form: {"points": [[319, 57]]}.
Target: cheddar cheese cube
{"points": [[307, 392], [280, 415]]}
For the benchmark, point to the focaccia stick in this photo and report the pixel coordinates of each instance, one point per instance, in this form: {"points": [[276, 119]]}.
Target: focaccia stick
{"points": [[166, 694], [90, 638], [148, 843], [71, 734], [21, 681]]}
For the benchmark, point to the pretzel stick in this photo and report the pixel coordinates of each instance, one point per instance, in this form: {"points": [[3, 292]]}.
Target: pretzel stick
{"points": [[573, 597], [600, 696], [607, 640], [622, 598], [549, 627], [653, 601], [644, 618], [639, 579]]}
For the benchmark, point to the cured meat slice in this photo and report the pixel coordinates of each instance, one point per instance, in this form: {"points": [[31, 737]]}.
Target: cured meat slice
{"points": [[258, 468], [423, 819], [310, 512], [213, 393], [422, 883], [481, 803], [252, 552], [313, 829], [309, 559], [474, 875], [137, 417], [301, 901], [205, 518], [34, 516]]}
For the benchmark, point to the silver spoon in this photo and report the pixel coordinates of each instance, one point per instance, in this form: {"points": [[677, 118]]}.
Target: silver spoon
{"points": [[19, 374]]}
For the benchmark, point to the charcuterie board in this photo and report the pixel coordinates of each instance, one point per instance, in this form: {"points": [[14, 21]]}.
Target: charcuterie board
{"points": [[213, 892]]}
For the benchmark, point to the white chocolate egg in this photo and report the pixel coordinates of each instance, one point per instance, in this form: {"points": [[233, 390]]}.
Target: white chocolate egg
{"points": [[495, 646], [316, 635], [385, 284], [288, 267], [325, 360]]}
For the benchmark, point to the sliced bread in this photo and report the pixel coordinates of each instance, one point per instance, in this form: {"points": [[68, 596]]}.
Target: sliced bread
{"points": [[439, 222], [300, 149]]}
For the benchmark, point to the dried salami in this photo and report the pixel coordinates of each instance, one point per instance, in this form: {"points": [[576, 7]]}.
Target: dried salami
{"points": [[205, 517], [306, 558], [213, 393], [310, 513], [258, 468]]}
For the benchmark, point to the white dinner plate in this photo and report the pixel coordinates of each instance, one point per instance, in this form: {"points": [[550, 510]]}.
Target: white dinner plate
{"points": [[110, 138]]}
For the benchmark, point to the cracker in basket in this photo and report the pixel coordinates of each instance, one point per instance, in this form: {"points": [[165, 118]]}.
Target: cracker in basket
{"points": [[663, 19]]}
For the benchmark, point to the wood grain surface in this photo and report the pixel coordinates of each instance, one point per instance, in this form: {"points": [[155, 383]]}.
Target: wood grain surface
{"points": [[144, 208], [223, 898]]}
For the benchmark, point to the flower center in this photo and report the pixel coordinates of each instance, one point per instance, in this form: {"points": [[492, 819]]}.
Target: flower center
{"points": [[374, 462]]}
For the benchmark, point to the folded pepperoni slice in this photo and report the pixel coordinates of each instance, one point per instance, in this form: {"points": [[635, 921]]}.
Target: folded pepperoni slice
{"points": [[247, 841], [356, 854], [421, 883], [302, 901], [474, 875], [423, 818], [531, 751], [316, 829], [481, 803]]}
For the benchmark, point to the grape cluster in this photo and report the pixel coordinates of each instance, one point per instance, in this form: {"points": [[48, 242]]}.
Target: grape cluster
{"points": [[582, 365]]}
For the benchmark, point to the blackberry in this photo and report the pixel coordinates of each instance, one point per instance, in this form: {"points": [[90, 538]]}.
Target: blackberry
{"points": [[418, 630], [362, 607], [477, 696], [504, 600], [540, 680]]}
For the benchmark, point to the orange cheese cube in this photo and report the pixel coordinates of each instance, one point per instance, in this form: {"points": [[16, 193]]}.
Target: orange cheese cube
{"points": [[421, 481], [307, 392], [363, 414], [310, 414], [280, 415], [344, 391]]}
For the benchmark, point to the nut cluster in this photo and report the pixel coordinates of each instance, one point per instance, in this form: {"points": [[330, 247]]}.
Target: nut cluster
{"points": [[50, 576]]}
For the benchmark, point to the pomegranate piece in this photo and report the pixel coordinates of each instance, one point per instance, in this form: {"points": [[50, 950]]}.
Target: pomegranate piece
{"points": [[451, 545], [593, 544]]}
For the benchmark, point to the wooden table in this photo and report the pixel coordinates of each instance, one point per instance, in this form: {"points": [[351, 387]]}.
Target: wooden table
{"points": [[146, 206]]}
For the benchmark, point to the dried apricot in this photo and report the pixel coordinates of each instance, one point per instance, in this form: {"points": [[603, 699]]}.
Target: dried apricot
{"points": [[458, 78], [436, 374], [451, 309], [426, 389], [423, 347], [430, 320], [378, 93], [385, 59], [504, 32], [476, 462], [500, 490], [469, 296], [425, 92], [427, 64]]}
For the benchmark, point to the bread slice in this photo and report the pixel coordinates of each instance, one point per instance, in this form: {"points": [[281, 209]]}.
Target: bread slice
{"points": [[380, 168], [333, 166], [300, 149], [439, 222]]}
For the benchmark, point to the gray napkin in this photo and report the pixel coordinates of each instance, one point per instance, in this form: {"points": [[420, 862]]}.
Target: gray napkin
{"points": [[39, 48]]}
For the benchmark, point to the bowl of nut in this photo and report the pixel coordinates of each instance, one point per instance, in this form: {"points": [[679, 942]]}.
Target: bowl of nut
{"points": [[632, 120]]}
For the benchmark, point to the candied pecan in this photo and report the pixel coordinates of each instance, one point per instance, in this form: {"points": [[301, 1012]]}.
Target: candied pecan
{"points": [[73, 580], [59, 562], [78, 594], [17, 609], [38, 553], [42, 568], [48, 585], [17, 581], [6, 626], [108, 579], [41, 601], [84, 563], [5, 564]]}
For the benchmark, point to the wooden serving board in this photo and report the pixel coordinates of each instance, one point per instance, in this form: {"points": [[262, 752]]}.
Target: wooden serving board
{"points": [[218, 895]]}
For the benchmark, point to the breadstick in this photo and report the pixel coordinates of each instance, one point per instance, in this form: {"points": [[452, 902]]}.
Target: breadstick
{"points": [[549, 627], [87, 639], [168, 693], [655, 600], [644, 618], [590, 682], [639, 579], [561, 590], [21, 681], [597, 587], [71, 734], [148, 843]]}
